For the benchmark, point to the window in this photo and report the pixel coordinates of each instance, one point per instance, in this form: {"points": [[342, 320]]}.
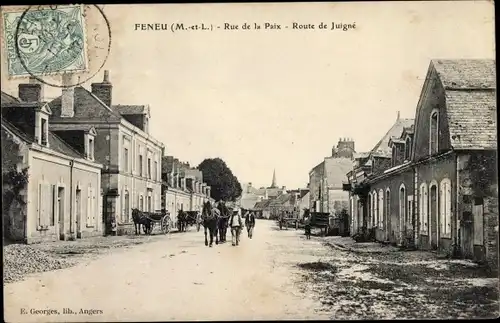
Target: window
{"points": [[423, 209], [387, 204], [434, 133], [126, 206], [157, 172], [149, 168], [141, 203], [141, 166], [445, 208], [44, 130], [408, 149], [393, 160], [125, 159], [402, 206], [91, 149], [375, 209], [91, 207], [381, 209]]}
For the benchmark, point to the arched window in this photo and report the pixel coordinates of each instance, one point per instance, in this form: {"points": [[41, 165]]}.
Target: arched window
{"points": [[402, 206], [375, 209], [408, 149], [381, 209], [434, 132], [387, 204], [445, 208], [423, 209]]}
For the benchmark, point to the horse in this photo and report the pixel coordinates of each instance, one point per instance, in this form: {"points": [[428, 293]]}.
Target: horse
{"points": [[182, 221], [140, 218], [210, 217], [223, 221]]}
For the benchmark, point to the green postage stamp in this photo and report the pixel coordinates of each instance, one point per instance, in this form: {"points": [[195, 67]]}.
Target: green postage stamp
{"points": [[43, 41]]}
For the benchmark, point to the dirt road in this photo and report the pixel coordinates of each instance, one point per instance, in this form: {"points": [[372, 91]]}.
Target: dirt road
{"points": [[175, 277]]}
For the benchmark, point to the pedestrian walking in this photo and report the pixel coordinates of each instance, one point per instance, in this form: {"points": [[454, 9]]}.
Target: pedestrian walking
{"points": [[307, 224], [236, 224], [250, 224]]}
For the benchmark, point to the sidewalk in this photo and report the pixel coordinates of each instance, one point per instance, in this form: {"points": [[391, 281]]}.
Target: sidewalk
{"points": [[349, 244]]}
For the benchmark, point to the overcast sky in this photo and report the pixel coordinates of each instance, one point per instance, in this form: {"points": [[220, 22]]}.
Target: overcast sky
{"points": [[281, 98]]}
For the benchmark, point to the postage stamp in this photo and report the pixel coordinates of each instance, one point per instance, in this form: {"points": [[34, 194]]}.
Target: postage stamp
{"points": [[44, 41]]}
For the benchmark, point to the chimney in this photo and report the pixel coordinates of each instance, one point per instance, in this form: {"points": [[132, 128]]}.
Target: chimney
{"points": [[103, 90], [68, 96], [31, 92], [397, 117]]}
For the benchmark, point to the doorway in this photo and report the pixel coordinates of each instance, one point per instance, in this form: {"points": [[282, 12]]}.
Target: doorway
{"points": [[433, 215], [60, 210]]}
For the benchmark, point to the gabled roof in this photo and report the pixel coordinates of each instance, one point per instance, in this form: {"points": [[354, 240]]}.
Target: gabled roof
{"points": [[382, 148], [55, 143], [459, 74]]}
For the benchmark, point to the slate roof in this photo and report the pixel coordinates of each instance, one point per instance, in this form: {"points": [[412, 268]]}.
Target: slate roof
{"points": [[262, 204], [55, 142], [470, 93], [382, 148], [336, 170], [87, 106], [472, 119], [131, 109], [8, 99], [69, 126], [456, 74]]}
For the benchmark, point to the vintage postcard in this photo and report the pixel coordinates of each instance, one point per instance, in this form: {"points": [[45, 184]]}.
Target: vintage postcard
{"points": [[249, 161]]}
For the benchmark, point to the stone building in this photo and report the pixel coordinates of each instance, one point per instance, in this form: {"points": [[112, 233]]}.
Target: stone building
{"points": [[131, 156], [326, 179], [440, 189], [183, 187], [62, 199]]}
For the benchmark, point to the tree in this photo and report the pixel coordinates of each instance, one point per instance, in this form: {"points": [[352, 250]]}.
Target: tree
{"points": [[224, 185]]}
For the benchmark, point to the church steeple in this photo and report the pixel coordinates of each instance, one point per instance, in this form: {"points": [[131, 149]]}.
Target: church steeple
{"points": [[273, 184]]}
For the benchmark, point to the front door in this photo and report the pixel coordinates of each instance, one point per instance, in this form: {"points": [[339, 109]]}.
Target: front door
{"points": [[433, 215]]}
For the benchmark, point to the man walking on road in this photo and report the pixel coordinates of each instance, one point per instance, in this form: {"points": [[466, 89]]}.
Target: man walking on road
{"points": [[250, 223], [236, 224]]}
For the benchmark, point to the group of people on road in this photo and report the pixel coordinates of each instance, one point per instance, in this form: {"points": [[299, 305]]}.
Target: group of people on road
{"points": [[236, 225]]}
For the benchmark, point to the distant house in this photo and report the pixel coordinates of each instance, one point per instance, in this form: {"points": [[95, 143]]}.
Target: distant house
{"points": [[262, 208], [183, 187], [62, 200], [376, 161], [438, 187], [326, 180]]}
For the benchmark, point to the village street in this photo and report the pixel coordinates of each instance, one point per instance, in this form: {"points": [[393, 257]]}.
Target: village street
{"points": [[276, 275]]}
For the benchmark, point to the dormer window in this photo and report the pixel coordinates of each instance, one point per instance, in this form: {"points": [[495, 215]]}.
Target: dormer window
{"points": [[44, 132], [89, 138], [91, 148], [394, 155], [42, 125], [408, 149], [434, 133]]}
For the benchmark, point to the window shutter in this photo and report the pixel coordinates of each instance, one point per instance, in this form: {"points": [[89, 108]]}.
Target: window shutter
{"points": [[43, 216], [448, 208], [54, 204], [92, 206], [48, 205], [89, 206]]}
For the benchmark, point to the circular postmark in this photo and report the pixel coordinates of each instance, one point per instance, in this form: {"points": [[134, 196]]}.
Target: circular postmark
{"points": [[50, 41]]}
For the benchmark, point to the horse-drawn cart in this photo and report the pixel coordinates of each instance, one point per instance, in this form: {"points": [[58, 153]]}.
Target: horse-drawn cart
{"points": [[288, 220], [320, 220], [161, 218]]}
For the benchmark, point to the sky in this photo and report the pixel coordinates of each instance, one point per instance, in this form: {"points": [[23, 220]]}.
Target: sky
{"points": [[280, 99]]}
